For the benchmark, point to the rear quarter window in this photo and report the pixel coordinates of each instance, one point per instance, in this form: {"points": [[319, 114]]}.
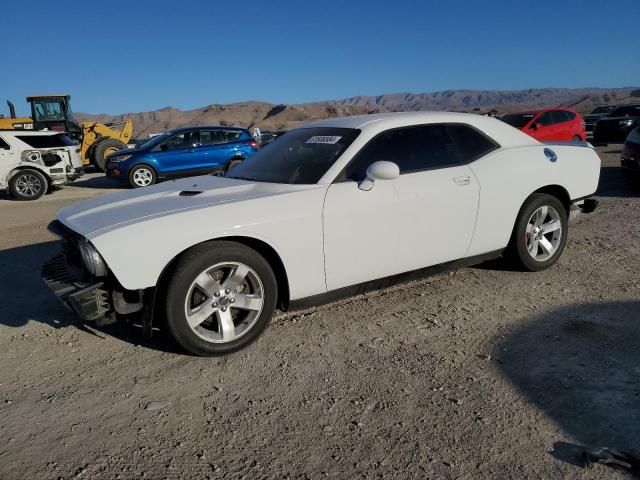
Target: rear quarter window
{"points": [[472, 144]]}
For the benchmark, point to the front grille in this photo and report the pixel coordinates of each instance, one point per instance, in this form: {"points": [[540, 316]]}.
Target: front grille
{"points": [[70, 249]]}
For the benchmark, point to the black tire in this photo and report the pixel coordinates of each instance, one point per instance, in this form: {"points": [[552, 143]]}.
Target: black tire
{"points": [[28, 184], [103, 149], [179, 286], [136, 174], [518, 252], [232, 163]]}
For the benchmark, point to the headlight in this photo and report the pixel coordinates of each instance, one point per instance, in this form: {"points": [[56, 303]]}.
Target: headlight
{"points": [[92, 259], [625, 123], [120, 158]]}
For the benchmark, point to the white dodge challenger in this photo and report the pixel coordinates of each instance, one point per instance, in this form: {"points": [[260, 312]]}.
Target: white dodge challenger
{"points": [[328, 209]]}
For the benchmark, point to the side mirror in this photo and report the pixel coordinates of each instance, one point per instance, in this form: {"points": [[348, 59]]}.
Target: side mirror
{"points": [[379, 171], [164, 147], [536, 126]]}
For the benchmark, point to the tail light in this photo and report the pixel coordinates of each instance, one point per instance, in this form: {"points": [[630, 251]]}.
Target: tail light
{"points": [[253, 144]]}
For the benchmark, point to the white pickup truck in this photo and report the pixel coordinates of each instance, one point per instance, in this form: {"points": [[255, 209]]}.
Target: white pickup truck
{"points": [[33, 161]]}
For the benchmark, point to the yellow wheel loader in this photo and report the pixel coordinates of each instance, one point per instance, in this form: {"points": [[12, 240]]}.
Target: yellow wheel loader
{"points": [[53, 112]]}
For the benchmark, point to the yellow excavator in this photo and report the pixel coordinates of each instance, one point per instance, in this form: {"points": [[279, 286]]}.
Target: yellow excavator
{"points": [[53, 112]]}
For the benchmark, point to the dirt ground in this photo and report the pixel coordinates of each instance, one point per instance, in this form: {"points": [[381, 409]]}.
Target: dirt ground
{"points": [[478, 373]]}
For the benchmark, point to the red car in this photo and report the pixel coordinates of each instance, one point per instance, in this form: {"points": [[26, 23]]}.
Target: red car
{"points": [[549, 124]]}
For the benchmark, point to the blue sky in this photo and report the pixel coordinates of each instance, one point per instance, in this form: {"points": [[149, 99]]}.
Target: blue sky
{"points": [[145, 55]]}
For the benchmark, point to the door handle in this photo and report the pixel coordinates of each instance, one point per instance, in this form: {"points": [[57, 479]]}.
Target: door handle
{"points": [[462, 180]]}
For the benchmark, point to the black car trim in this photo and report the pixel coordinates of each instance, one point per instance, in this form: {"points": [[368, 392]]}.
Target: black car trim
{"points": [[381, 283]]}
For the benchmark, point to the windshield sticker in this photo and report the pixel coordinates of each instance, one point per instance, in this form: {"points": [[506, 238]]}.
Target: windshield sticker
{"points": [[327, 140]]}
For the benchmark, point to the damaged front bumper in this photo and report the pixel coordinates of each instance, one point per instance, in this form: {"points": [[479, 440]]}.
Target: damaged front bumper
{"points": [[90, 301], [99, 299]]}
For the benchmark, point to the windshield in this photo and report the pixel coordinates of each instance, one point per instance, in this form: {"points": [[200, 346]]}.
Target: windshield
{"points": [[48, 110], [517, 120], [301, 156], [630, 111], [46, 141], [152, 142]]}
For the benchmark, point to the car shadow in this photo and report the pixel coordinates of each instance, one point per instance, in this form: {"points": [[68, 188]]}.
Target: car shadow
{"points": [[102, 182], [25, 298], [580, 365]]}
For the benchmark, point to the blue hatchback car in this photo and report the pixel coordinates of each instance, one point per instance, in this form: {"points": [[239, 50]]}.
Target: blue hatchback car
{"points": [[182, 152]]}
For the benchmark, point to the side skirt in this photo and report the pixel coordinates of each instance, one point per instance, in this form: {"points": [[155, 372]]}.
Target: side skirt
{"points": [[381, 283]]}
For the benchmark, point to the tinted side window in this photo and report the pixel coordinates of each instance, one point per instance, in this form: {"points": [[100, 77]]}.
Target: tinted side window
{"points": [[545, 119], [212, 137], [181, 140], [413, 149], [471, 143], [233, 135], [559, 116], [4, 145], [570, 115], [46, 141]]}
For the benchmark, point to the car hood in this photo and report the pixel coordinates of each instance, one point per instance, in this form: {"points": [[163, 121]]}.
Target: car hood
{"points": [[94, 217], [617, 119], [128, 151]]}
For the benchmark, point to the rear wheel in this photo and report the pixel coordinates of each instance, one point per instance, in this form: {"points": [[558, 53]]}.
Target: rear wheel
{"points": [[220, 297], [540, 233], [28, 185], [103, 149], [232, 163]]}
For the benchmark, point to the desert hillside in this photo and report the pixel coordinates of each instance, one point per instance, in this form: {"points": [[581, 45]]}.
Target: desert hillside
{"points": [[269, 116]]}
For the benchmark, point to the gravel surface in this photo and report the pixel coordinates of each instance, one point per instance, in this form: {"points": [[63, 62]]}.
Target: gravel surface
{"points": [[478, 373]]}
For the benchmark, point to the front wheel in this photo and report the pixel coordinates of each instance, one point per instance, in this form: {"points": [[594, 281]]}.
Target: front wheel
{"points": [[540, 233], [220, 297], [142, 176]]}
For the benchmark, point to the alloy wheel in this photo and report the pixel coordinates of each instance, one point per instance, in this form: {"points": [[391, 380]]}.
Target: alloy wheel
{"points": [[28, 185], [544, 233], [142, 177], [224, 302]]}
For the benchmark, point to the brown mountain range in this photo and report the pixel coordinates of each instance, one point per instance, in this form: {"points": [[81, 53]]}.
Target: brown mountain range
{"points": [[269, 116]]}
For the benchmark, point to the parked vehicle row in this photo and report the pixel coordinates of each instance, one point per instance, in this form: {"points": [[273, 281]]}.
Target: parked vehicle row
{"points": [[616, 127], [31, 162], [595, 115], [182, 152], [328, 209], [549, 124]]}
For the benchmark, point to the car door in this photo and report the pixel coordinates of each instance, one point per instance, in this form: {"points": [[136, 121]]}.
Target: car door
{"points": [[175, 155], [211, 152], [543, 127], [8, 159], [424, 217], [562, 126]]}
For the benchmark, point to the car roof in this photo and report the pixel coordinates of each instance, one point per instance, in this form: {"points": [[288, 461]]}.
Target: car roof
{"points": [[204, 127], [32, 133], [540, 110], [501, 132]]}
